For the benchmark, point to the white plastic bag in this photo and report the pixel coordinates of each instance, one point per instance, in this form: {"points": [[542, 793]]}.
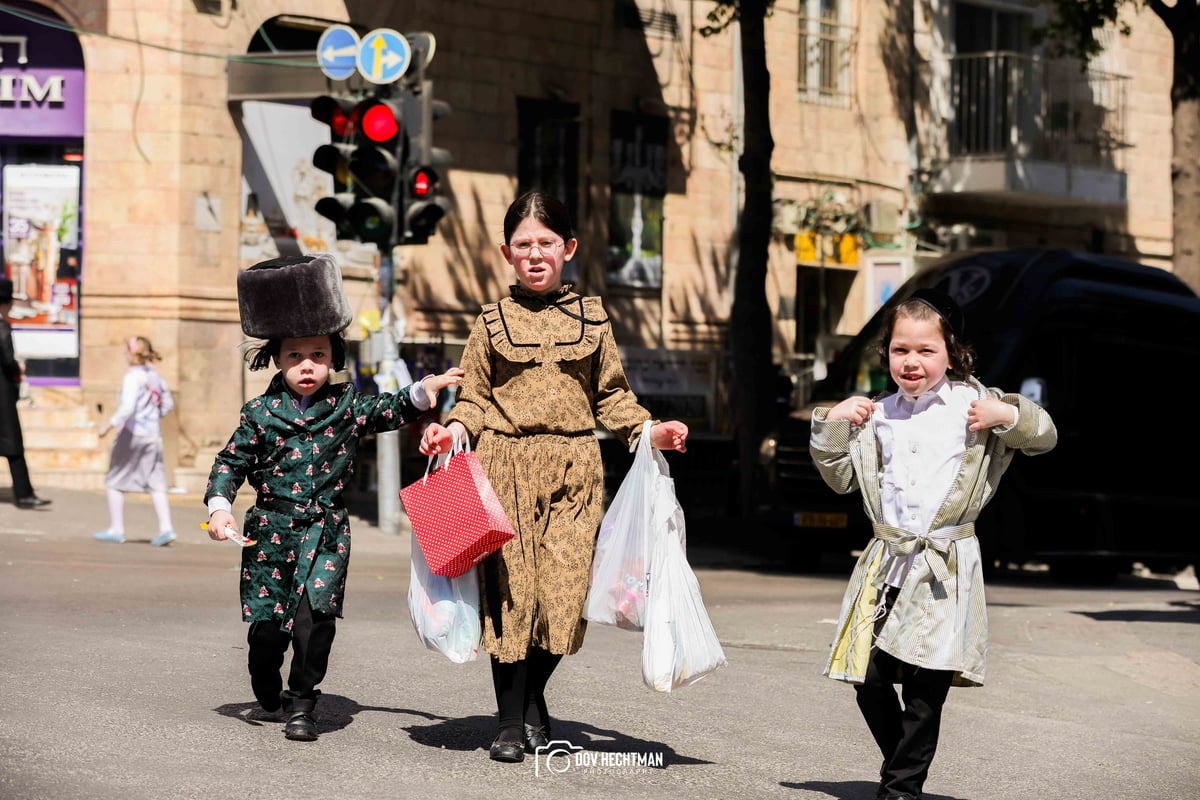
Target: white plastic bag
{"points": [[617, 595], [679, 646], [444, 611]]}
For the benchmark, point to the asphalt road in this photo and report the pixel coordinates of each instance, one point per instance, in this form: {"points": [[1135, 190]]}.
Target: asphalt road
{"points": [[123, 677]]}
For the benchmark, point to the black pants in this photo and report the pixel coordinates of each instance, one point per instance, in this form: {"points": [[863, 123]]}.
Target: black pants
{"points": [[311, 640], [21, 486], [907, 736]]}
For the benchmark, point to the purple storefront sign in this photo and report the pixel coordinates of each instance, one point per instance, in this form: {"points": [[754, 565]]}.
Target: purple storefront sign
{"points": [[30, 104], [41, 77]]}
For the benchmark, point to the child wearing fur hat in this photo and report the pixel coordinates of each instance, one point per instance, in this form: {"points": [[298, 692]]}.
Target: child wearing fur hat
{"points": [[926, 458], [295, 445]]}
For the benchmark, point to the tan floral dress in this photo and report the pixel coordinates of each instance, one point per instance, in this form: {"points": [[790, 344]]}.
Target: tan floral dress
{"points": [[540, 372]]}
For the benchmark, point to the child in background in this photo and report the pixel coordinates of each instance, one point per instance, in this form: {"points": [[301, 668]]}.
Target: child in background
{"points": [[927, 459], [136, 461], [296, 444]]}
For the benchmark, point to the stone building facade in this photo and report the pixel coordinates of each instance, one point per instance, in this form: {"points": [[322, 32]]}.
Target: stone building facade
{"points": [[615, 104]]}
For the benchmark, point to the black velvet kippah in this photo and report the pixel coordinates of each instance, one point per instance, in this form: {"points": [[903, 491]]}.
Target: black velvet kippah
{"points": [[950, 311], [293, 297]]}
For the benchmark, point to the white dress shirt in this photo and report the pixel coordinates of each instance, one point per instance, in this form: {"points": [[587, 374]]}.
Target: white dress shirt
{"points": [[922, 441]]}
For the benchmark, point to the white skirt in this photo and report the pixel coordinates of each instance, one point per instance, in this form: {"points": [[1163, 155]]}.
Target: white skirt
{"points": [[136, 464]]}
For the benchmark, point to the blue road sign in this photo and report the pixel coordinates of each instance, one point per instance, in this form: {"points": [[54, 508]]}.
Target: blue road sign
{"points": [[337, 52], [384, 56]]}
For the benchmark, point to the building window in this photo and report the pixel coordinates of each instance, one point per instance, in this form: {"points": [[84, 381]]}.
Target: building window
{"points": [[993, 80], [637, 184], [826, 40], [548, 158], [978, 29]]}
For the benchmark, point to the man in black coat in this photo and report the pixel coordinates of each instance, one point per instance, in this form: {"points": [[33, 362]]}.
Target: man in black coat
{"points": [[12, 445]]}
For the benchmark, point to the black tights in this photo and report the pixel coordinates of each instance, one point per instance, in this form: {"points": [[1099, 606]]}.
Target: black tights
{"points": [[520, 689]]}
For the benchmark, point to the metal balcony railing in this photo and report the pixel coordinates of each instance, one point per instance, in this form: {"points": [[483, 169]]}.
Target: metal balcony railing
{"points": [[1014, 105]]}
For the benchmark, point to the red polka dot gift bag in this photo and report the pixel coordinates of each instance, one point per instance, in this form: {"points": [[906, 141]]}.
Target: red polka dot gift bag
{"points": [[455, 514]]}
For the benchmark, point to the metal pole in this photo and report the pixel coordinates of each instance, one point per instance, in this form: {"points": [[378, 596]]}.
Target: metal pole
{"points": [[387, 444], [387, 458]]}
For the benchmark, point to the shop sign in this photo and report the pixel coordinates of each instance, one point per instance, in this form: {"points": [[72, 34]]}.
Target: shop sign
{"points": [[41, 81], [26, 89]]}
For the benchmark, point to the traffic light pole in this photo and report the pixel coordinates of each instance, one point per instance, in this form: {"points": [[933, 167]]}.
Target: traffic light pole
{"points": [[387, 444]]}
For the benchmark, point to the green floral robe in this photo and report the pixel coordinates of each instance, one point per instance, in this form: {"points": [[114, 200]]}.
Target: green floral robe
{"points": [[297, 462]]}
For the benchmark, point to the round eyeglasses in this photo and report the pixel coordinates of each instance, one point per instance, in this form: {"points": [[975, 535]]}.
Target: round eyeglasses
{"points": [[524, 247]]}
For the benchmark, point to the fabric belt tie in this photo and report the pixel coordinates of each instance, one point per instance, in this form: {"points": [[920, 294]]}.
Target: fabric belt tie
{"points": [[307, 512], [935, 544]]}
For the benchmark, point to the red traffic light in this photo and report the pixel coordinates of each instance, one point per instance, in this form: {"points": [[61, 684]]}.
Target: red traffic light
{"points": [[334, 112], [422, 183], [378, 121]]}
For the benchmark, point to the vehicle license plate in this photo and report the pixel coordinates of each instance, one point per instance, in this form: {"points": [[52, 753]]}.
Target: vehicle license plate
{"points": [[813, 519]]}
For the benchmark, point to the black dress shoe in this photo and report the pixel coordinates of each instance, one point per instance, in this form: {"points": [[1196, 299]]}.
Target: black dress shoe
{"points": [[536, 737], [506, 749], [33, 501], [301, 727]]}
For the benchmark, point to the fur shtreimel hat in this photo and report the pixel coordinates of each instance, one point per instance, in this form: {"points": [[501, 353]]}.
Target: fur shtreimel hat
{"points": [[293, 297]]}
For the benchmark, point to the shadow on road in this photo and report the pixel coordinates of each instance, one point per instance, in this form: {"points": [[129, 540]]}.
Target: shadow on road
{"points": [[849, 790], [476, 733], [334, 713], [1180, 611]]}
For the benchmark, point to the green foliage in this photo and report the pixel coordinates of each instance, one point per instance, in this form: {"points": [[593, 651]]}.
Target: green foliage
{"points": [[1073, 25]]}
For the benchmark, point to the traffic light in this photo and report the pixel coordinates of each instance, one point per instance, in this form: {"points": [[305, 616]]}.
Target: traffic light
{"points": [[423, 207], [334, 158], [424, 203], [375, 167], [363, 157]]}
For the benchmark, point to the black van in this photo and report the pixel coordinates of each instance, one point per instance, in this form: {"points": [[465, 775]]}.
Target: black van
{"points": [[1111, 349]]}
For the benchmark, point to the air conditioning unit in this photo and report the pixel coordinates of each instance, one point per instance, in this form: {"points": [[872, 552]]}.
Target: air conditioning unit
{"points": [[882, 218]]}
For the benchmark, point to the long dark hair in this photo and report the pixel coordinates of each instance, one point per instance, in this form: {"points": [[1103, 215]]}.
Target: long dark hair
{"points": [[960, 354], [260, 355], [545, 208]]}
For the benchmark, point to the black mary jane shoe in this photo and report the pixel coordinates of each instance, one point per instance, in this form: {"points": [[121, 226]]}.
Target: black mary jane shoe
{"points": [[510, 752], [536, 738], [301, 727]]}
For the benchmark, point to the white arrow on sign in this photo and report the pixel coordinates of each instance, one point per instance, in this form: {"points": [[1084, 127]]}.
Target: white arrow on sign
{"points": [[390, 58], [330, 52]]}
